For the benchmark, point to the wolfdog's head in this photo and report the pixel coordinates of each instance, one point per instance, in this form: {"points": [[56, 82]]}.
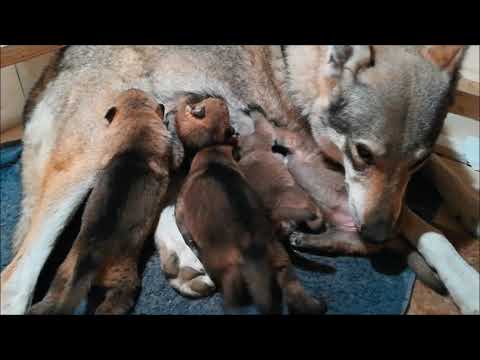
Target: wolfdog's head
{"points": [[383, 107]]}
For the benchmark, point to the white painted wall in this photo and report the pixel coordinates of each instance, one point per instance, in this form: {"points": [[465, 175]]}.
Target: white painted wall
{"points": [[16, 81]]}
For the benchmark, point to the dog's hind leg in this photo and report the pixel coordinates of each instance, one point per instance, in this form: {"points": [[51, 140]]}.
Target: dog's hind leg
{"points": [[462, 200], [122, 284], [297, 299], [461, 280], [65, 291], [184, 270], [61, 196]]}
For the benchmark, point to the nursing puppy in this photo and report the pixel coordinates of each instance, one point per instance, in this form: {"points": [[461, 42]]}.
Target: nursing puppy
{"points": [[121, 210], [323, 179], [224, 219], [268, 175]]}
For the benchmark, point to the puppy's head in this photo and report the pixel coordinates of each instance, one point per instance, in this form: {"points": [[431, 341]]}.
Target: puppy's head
{"points": [[204, 123], [383, 107], [133, 103]]}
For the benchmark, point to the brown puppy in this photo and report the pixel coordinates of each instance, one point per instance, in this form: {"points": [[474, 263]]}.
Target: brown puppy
{"points": [[121, 210], [266, 172], [222, 216]]}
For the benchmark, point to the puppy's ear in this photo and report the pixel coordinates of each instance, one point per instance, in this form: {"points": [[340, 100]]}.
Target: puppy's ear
{"points": [[160, 110], [110, 115], [351, 57], [446, 57]]}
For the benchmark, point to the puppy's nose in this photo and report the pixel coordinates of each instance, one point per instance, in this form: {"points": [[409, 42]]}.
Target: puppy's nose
{"points": [[377, 232]]}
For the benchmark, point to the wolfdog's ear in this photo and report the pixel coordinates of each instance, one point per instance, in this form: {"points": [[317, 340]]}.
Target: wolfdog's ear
{"points": [[111, 114], [446, 57], [352, 57]]}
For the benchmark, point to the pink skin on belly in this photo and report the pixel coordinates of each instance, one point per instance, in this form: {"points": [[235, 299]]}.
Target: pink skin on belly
{"points": [[340, 218], [326, 183]]}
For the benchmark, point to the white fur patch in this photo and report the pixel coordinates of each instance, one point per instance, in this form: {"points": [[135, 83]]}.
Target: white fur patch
{"points": [[17, 291], [461, 280], [168, 235], [39, 135]]}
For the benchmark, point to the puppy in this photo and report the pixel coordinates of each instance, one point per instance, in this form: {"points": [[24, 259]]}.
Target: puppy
{"points": [[120, 212], [266, 172], [314, 170], [222, 217]]}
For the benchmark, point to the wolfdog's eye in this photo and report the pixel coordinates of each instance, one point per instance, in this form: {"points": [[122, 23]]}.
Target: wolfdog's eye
{"points": [[365, 153]]}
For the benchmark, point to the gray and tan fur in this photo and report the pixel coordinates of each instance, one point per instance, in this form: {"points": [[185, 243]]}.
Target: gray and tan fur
{"points": [[403, 88]]}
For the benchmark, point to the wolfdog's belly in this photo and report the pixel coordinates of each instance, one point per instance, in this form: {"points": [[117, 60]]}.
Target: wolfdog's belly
{"points": [[68, 119], [89, 77]]}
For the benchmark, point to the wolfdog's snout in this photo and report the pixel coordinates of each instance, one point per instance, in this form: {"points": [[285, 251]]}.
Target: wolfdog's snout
{"points": [[378, 231]]}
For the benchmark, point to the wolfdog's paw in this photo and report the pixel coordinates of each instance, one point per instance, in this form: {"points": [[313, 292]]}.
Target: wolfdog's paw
{"points": [[12, 302], [44, 307], [469, 304]]}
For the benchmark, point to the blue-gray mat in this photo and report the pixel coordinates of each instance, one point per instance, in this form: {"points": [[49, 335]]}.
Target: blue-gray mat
{"points": [[382, 285]]}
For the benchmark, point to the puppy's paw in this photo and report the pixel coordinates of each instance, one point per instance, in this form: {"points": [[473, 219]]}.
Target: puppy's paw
{"points": [[183, 269], [307, 305], [190, 279], [199, 286], [13, 299], [297, 239]]}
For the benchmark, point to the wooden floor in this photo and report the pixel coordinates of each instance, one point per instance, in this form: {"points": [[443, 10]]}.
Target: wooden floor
{"points": [[424, 301]]}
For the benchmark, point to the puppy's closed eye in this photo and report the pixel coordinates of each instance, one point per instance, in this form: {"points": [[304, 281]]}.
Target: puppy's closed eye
{"points": [[160, 110], [110, 115]]}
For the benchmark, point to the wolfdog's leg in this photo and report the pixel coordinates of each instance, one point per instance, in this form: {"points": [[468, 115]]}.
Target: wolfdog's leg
{"points": [[185, 272], [63, 193], [461, 200], [461, 280], [60, 298]]}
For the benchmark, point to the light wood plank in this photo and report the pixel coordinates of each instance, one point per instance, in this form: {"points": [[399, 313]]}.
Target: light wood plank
{"points": [[11, 135], [13, 54], [466, 105]]}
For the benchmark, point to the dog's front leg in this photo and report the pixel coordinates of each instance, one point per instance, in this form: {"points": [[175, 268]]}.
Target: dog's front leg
{"points": [[462, 200], [185, 271], [461, 280]]}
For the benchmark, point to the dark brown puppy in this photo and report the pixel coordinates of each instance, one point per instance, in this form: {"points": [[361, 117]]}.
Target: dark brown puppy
{"points": [[121, 211], [225, 220]]}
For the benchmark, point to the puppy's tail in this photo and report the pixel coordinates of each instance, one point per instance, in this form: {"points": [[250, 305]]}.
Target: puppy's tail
{"points": [[425, 273]]}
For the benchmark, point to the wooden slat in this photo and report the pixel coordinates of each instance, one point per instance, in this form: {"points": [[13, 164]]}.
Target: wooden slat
{"points": [[466, 105], [13, 54], [469, 86]]}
